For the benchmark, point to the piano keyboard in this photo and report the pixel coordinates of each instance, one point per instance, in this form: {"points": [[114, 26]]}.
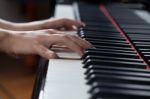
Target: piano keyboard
{"points": [[118, 66]]}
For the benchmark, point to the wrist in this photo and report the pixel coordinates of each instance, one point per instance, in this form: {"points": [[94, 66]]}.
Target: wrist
{"points": [[4, 33], [3, 37]]}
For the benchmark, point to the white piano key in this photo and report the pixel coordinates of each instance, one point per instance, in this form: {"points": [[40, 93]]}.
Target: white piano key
{"points": [[65, 53], [60, 9], [68, 55], [145, 15], [65, 80]]}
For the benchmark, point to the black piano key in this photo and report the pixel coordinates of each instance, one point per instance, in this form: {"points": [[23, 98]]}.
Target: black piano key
{"points": [[103, 53], [116, 72], [120, 86], [111, 58], [100, 34], [140, 40], [118, 47], [143, 46], [96, 19], [136, 31], [99, 29], [103, 23], [142, 43], [114, 48], [113, 63], [146, 53], [129, 91], [111, 50], [111, 44], [95, 33], [110, 93], [130, 22], [139, 37], [147, 56], [128, 26], [144, 50], [104, 40], [104, 37], [118, 79], [99, 16], [109, 67], [138, 34], [98, 24], [107, 42]]}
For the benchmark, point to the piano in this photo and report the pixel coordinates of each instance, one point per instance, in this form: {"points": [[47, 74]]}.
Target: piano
{"points": [[117, 68]]}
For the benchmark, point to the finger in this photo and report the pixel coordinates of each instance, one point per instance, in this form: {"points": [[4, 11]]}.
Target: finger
{"points": [[45, 52], [71, 44], [72, 24], [83, 43], [75, 23], [63, 39]]}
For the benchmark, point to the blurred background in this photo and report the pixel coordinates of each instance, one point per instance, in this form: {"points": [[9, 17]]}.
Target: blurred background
{"points": [[24, 10], [17, 76]]}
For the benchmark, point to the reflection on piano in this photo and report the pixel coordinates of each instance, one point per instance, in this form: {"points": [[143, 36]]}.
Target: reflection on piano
{"points": [[117, 69]]}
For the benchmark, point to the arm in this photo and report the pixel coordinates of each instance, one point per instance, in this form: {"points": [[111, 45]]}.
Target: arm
{"points": [[58, 24]]}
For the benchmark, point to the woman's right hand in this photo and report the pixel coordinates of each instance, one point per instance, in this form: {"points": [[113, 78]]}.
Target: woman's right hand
{"points": [[38, 42]]}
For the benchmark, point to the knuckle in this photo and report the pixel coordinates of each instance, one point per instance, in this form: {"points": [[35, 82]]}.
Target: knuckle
{"points": [[38, 37], [53, 55], [51, 30], [64, 37], [34, 47], [65, 19], [74, 36]]}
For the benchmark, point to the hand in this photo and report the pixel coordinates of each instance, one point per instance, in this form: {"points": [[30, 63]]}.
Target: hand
{"points": [[59, 24], [66, 24], [38, 42]]}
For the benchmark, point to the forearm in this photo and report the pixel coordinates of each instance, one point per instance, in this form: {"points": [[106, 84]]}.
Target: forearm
{"points": [[29, 26], [58, 24], [6, 25], [3, 35]]}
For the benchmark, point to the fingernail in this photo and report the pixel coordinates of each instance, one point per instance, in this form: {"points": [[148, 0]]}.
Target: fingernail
{"points": [[81, 53], [83, 24], [74, 27], [51, 55], [93, 47]]}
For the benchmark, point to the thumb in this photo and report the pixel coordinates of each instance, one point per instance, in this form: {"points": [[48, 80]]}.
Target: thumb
{"points": [[45, 52]]}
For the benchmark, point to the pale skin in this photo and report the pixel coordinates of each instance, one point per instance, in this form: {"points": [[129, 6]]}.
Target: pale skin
{"points": [[37, 37]]}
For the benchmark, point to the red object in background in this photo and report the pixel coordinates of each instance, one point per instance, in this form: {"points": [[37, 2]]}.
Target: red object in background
{"points": [[30, 61], [31, 10]]}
